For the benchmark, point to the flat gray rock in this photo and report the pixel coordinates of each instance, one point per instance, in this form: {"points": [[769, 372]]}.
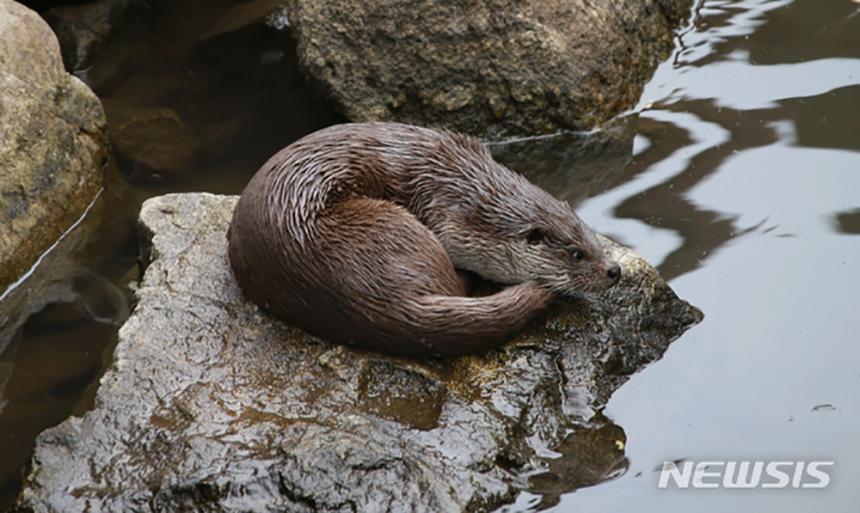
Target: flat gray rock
{"points": [[211, 405]]}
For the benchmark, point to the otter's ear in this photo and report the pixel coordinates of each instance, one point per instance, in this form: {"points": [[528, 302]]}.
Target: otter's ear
{"points": [[536, 236]]}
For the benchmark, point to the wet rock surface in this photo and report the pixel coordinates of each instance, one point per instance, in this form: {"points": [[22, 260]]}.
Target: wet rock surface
{"points": [[489, 68], [52, 147], [211, 405]]}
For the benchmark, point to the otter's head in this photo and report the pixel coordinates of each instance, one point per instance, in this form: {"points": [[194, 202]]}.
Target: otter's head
{"points": [[541, 240], [560, 251]]}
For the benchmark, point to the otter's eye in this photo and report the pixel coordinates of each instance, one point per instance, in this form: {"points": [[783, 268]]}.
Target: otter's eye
{"points": [[536, 236], [578, 255]]}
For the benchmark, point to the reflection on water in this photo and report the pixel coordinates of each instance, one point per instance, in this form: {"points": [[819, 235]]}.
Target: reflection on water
{"points": [[574, 165], [588, 457], [50, 361], [848, 222], [744, 189], [46, 375]]}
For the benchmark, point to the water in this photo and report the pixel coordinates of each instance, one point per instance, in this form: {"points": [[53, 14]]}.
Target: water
{"points": [[744, 189]]}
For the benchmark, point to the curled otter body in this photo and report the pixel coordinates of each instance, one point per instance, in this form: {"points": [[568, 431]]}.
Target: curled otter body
{"points": [[354, 232]]}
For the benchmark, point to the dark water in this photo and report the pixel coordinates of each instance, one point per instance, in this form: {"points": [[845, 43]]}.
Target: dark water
{"points": [[744, 189]]}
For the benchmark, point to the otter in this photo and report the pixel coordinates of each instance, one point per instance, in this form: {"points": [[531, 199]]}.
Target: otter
{"points": [[356, 233]]}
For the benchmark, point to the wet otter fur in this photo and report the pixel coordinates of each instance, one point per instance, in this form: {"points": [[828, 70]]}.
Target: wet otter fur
{"points": [[354, 232]]}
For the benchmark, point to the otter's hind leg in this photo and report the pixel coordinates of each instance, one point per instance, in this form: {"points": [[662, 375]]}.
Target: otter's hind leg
{"points": [[399, 291], [378, 259], [388, 249]]}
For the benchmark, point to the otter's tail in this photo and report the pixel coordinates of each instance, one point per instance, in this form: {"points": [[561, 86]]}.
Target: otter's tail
{"points": [[452, 326]]}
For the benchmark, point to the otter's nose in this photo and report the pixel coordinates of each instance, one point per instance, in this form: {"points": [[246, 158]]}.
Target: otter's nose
{"points": [[614, 272]]}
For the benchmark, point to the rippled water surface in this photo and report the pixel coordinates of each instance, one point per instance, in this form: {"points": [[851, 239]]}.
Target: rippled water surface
{"points": [[744, 189]]}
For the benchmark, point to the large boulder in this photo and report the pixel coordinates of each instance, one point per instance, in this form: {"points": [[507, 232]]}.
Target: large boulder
{"points": [[52, 147], [211, 405], [487, 67]]}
